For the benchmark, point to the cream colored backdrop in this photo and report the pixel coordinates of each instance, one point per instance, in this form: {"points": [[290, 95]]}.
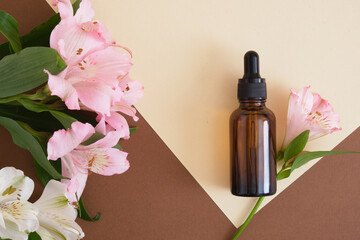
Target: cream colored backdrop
{"points": [[189, 55]]}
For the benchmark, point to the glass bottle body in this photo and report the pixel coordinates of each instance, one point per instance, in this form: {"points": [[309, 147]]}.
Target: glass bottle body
{"points": [[253, 149]]}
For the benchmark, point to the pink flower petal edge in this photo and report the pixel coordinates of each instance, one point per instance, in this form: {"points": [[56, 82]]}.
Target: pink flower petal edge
{"points": [[79, 160], [308, 111]]}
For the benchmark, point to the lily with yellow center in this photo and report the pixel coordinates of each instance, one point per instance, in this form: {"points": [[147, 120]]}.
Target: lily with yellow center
{"points": [[18, 217], [52, 217], [56, 215]]}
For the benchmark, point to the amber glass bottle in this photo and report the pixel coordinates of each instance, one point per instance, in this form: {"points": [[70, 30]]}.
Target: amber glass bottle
{"points": [[252, 136]]}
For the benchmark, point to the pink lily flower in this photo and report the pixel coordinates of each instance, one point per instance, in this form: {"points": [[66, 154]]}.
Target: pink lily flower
{"points": [[132, 92], [78, 160], [92, 83], [91, 80], [308, 111], [77, 35]]}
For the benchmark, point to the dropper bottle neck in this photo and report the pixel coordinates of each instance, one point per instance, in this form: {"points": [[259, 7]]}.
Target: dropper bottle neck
{"points": [[252, 103]]}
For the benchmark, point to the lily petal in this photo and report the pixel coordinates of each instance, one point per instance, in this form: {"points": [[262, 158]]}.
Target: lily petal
{"points": [[22, 213], [124, 107], [65, 8], [95, 96], [76, 185], [110, 140], [56, 215], [101, 127], [64, 141], [2, 221], [104, 161], [116, 121], [63, 89], [79, 42], [134, 91], [103, 66], [104, 33], [85, 12], [14, 185], [10, 231]]}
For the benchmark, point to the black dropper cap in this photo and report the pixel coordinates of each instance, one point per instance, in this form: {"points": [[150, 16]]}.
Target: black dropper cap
{"points": [[251, 86]]}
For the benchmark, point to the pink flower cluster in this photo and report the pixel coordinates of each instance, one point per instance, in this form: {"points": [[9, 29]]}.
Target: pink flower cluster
{"points": [[96, 79], [97, 73]]}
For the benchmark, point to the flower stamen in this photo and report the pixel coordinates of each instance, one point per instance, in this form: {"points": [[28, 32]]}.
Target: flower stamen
{"points": [[79, 51]]}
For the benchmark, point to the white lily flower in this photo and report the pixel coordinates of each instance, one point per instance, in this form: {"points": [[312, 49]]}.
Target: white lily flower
{"points": [[18, 217], [56, 215]]}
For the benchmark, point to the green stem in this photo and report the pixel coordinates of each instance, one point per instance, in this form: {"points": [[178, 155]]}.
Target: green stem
{"points": [[282, 168], [253, 211], [280, 156], [40, 94]]}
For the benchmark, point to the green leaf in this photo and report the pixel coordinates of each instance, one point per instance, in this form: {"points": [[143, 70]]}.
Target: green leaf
{"points": [[38, 36], [38, 107], [65, 119], [41, 137], [39, 95], [33, 106], [133, 129], [67, 116], [83, 214], [296, 145], [25, 140], [279, 156], [43, 122], [9, 27], [43, 176], [34, 236], [283, 174], [306, 157], [76, 6], [24, 71]]}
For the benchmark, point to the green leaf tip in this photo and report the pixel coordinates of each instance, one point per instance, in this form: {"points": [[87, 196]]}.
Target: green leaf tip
{"points": [[283, 174], [9, 27], [83, 214], [297, 145], [133, 129], [60, 63], [25, 140], [306, 157], [34, 236]]}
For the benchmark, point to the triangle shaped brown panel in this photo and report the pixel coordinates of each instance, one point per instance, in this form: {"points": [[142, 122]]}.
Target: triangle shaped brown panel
{"points": [[323, 204], [157, 198]]}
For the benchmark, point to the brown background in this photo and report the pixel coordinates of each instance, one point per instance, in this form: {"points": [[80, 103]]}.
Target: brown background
{"points": [[158, 198]]}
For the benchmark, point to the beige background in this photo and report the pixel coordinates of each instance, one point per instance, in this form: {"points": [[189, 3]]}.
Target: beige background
{"points": [[188, 54]]}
